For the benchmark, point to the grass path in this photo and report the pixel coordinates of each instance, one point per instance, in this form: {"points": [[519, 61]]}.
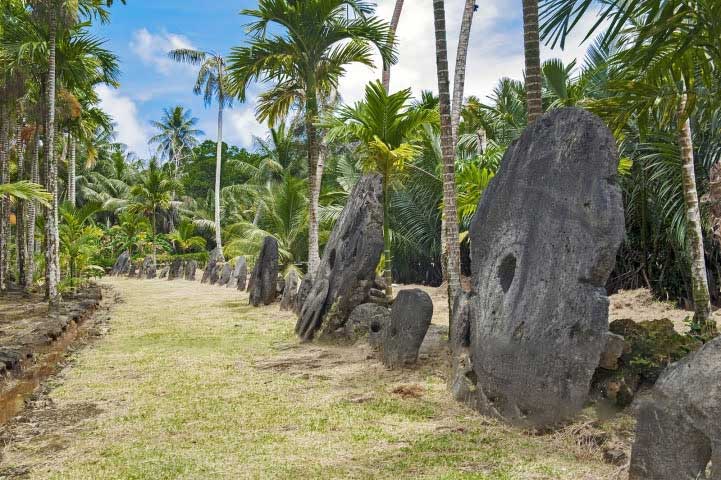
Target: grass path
{"points": [[191, 383]]}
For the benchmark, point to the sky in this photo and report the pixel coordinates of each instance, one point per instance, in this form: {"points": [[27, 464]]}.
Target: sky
{"points": [[143, 31]]}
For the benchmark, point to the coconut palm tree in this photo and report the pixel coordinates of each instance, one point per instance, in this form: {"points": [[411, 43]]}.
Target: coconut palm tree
{"points": [[450, 232], [459, 76], [386, 128], [395, 18], [152, 194], [177, 135], [212, 84], [668, 55], [184, 237], [532, 54], [302, 49]]}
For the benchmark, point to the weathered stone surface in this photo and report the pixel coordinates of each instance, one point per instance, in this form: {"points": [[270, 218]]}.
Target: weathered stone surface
{"points": [[347, 269], [368, 320], [543, 242], [149, 268], [306, 285], [615, 345], [134, 269], [410, 318], [678, 430], [164, 272], [290, 292], [176, 269], [211, 268], [225, 273], [264, 281], [241, 273], [235, 276], [191, 266], [122, 264]]}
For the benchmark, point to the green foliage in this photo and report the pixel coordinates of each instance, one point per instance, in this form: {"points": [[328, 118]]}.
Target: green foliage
{"points": [[198, 177]]}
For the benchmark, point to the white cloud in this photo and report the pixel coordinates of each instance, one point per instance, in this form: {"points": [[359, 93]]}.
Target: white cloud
{"points": [[129, 129], [240, 126], [495, 48], [152, 49]]}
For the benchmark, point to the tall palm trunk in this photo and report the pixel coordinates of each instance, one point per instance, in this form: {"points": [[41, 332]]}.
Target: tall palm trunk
{"points": [[71, 170], [701, 299], [387, 254], [52, 260], [4, 200], [315, 173], [218, 166], [21, 216], [532, 53], [394, 27], [32, 213], [460, 73], [448, 149]]}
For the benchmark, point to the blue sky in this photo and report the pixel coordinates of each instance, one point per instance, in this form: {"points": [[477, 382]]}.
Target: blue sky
{"points": [[143, 31]]}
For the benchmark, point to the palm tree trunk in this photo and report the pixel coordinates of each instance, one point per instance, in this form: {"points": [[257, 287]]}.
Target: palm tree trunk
{"points": [[387, 254], [315, 172], [71, 170], [21, 216], [702, 304], [394, 27], [52, 260], [460, 73], [448, 149], [4, 200], [532, 52], [32, 212], [218, 166]]}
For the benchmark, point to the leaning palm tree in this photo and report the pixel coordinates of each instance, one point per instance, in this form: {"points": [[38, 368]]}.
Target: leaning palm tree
{"points": [[177, 135], [459, 76], [397, 10], [303, 48], [386, 129], [450, 232], [152, 195], [212, 84]]}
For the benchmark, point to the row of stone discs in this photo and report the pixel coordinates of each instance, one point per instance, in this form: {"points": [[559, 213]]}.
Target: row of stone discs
{"points": [[231, 274], [142, 269], [345, 298]]}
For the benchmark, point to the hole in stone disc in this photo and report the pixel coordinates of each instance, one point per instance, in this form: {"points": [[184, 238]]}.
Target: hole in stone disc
{"points": [[506, 272], [375, 327]]}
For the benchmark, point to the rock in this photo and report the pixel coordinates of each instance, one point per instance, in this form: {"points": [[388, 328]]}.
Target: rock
{"points": [[164, 272], [235, 276], [134, 269], [678, 430], [410, 318], [264, 280], [149, 268], [122, 264], [290, 292], [280, 285], [615, 346], [368, 319], [191, 266], [176, 269], [210, 269], [306, 285], [241, 273], [543, 243], [347, 269], [225, 274]]}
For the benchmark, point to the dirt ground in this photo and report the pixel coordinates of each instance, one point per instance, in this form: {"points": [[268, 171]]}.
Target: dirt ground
{"points": [[190, 382]]}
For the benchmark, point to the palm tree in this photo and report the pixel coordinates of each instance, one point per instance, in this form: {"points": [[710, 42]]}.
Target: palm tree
{"points": [[460, 72], [211, 83], [184, 237], [532, 54], [304, 57], [177, 135], [78, 237], [386, 128], [450, 232], [668, 55], [152, 194], [394, 27]]}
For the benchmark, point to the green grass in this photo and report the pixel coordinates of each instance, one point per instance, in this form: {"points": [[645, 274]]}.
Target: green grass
{"points": [[192, 383]]}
